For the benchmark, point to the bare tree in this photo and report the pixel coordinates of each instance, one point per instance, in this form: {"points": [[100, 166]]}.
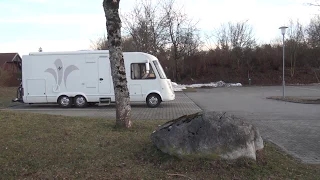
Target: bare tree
{"points": [[182, 34], [241, 35], [128, 44], [190, 41], [157, 27], [235, 37], [122, 98], [313, 38], [232, 35], [102, 44], [295, 43], [313, 32], [314, 3], [145, 25], [222, 37]]}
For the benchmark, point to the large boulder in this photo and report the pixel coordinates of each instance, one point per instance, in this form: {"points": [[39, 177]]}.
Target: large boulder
{"points": [[208, 135]]}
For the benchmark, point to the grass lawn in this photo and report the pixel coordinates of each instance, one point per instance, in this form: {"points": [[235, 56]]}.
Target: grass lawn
{"points": [[6, 95], [54, 147], [297, 99], [189, 89]]}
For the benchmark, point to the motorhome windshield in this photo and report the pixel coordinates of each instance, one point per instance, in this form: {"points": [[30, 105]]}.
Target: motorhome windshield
{"points": [[160, 70]]}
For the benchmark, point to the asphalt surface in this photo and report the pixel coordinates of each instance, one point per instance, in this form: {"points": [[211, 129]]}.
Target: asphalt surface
{"points": [[182, 105], [294, 127]]}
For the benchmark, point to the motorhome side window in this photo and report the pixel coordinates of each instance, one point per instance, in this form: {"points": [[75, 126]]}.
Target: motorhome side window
{"points": [[138, 71]]}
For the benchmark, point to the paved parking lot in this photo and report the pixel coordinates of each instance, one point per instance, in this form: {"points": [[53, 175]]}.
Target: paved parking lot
{"points": [[292, 126], [182, 105]]}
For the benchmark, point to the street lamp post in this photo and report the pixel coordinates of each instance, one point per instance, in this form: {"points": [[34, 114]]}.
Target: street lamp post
{"points": [[283, 32]]}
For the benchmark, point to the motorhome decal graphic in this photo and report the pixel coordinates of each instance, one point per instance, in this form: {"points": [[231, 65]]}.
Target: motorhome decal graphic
{"points": [[59, 67], [59, 72], [68, 70]]}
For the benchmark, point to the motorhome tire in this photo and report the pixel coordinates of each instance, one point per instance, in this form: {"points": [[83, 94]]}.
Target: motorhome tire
{"points": [[153, 100], [80, 102], [65, 101]]}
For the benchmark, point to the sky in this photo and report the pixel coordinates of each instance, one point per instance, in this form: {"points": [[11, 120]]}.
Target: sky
{"points": [[71, 25]]}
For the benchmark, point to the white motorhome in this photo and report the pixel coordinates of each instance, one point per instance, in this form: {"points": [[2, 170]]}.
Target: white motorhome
{"points": [[80, 78]]}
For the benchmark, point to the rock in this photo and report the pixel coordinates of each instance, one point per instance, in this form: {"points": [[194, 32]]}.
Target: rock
{"points": [[208, 135]]}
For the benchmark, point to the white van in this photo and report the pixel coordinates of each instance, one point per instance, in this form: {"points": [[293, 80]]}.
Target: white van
{"points": [[84, 77]]}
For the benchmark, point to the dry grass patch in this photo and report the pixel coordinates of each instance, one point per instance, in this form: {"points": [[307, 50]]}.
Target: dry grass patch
{"points": [[6, 95], [297, 99], [189, 89], [36, 146]]}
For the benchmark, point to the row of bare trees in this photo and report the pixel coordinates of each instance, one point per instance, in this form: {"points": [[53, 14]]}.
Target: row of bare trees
{"points": [[164, 30]]}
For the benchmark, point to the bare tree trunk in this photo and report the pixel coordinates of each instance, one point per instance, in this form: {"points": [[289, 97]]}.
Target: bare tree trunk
{"points": [[176, 63], [315, 73], [122, 98]]}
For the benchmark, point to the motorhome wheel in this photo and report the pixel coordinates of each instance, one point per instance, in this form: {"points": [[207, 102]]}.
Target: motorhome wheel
{"points": [[65, 101], [153, 100], [80, 101]]}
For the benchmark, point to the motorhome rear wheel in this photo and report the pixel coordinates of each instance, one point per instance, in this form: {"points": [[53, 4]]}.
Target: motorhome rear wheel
{"points": [[80, 102]]}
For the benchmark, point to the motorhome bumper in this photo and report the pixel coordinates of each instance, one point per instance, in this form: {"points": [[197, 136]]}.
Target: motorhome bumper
{"points": [[169, 97]]}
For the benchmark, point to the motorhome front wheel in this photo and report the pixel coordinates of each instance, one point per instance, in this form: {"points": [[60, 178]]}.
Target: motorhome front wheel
{"points": [[153, 100]]}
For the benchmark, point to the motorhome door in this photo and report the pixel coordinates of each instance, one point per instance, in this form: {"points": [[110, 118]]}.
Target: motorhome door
{"points": [[104, 75]]}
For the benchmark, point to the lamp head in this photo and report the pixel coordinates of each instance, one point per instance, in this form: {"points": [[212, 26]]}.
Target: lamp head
{"points": [[283, 30]]}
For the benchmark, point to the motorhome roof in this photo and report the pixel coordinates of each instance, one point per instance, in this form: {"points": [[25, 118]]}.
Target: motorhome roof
{"points": [[78, 52], [69, 52], [86, 52]]}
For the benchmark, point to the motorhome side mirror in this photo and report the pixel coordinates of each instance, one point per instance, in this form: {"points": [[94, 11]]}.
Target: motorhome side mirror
{"points": [[147, 67]]}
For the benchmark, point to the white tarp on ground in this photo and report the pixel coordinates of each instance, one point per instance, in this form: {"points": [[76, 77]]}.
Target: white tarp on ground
{"points": [[180, 87]]}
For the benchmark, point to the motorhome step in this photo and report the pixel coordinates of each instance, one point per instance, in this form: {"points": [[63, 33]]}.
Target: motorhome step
{"points": [[104, 101]]}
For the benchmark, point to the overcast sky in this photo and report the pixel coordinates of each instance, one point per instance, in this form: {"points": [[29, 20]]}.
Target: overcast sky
{"points": [[67, 25]]}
